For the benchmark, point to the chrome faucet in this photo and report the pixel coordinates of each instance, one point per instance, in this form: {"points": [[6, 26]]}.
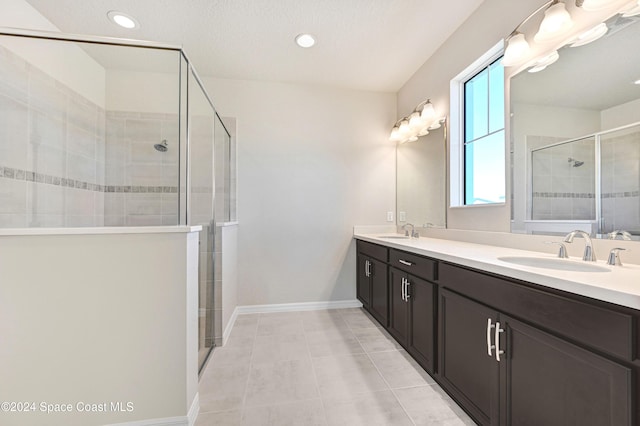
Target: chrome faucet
{"points": [[614, 257], [413, 234], [624, 234], [589, 254]]}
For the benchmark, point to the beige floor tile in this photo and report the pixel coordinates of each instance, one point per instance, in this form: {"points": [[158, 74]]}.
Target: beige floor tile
{"points": [[399, 369], [279, 347], [428, 405], [280, 323], [222, 388], [369, 409], [245, 326], [226, 418], [376, 340], [347, 375], [324, 321], [230, 354], [358, 320], [281, 382], [332, 342], [308, 413]]}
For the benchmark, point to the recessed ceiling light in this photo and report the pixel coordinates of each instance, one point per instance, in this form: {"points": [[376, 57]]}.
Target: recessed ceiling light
{"points": [[122, 19], [637, 82], [305, 40]]}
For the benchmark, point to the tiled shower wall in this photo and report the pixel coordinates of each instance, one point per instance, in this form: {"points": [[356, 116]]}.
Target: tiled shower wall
{"points": [[52, 151], [620, 165], [65, 162], [560, 190], [141, 182]]}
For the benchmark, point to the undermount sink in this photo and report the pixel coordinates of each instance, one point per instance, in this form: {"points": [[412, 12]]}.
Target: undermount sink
{"points": [[554, 263], [394, 237]]}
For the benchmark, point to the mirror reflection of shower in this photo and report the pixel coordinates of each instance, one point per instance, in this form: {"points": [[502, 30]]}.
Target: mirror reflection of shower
{"points": [[162, 147], [576, 163]]}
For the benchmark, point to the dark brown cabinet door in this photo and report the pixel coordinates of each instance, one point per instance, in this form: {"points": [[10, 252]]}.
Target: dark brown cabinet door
{"points": [[398, 307], [379, 305], [548, 381], [465, 367], [422, 321], [362, 281]]}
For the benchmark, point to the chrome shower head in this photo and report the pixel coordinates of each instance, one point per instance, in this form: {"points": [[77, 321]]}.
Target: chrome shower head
{"points": [[162, 147]]}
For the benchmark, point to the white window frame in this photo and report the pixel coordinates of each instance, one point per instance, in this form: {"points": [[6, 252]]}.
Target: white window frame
{"points": [[456, 141]]}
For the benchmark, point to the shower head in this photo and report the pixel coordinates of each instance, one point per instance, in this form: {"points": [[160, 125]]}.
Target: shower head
{"points": [[576, 163], [162, 147]]}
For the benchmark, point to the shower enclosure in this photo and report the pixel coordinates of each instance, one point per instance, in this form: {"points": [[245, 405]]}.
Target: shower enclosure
{"points": [[98, 132], [594, 180]]}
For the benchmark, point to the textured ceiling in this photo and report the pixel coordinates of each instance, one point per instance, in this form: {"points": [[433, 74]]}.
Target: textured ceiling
{"points": [[362, 44]]}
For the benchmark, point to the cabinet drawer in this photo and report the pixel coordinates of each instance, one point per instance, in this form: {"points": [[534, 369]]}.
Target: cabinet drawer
{"points": [[373, 250], [604, 329], [416, 265]]}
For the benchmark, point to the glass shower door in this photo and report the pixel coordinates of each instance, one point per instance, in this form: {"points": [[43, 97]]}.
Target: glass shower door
{"points": [[200, 208]]}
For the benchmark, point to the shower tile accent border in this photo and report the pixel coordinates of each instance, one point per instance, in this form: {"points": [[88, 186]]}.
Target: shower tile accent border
{"points": [[29, 176], [625, 194]]}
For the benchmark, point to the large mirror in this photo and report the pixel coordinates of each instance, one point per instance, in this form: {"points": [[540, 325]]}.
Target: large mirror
{"points": [[575, 138], [421, 180]]}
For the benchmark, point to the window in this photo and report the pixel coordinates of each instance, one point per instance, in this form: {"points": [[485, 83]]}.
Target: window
{"points": [[477, 138], [484, 167]]}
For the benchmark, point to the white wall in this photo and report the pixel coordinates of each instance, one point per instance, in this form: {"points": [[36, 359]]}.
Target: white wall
{"points": [[135, 91], [312, 162], [99, 318], [66, 62], [621, 115]]}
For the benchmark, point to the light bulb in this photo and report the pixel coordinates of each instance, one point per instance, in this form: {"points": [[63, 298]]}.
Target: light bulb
{"points": [[555, 23], [517, 49]]}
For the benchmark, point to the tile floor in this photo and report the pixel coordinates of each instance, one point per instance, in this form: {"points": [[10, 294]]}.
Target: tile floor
{"points": [[332, 367]]}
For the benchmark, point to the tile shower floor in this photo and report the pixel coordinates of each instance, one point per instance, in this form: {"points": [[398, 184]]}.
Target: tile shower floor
{"points": [[332, 367]]}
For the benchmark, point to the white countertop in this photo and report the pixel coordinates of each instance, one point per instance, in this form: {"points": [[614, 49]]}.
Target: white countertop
{"points": [[620, 286]]}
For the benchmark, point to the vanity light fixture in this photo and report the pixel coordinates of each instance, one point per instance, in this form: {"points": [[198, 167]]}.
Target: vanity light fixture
{"points": [[544, 62], [305, 40], [557, 23], [418, 123], [123, 20], [591, 35]]}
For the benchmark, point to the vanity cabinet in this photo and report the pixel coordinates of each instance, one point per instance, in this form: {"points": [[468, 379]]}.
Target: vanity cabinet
{"points": [[507, 372], [412, 309], [372, 280], [509, 352]]}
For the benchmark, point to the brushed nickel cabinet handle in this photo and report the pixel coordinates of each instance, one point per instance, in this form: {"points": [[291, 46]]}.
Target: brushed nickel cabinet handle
{"points": [[404, 262], [407, 295], [498, 351], [489, 345], [403, 289]]}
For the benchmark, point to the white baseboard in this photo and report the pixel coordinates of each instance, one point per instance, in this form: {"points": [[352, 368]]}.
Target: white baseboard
{"points": [[194, 410], [227, 329], [284, 307], [188, 420], [292, 307]]}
